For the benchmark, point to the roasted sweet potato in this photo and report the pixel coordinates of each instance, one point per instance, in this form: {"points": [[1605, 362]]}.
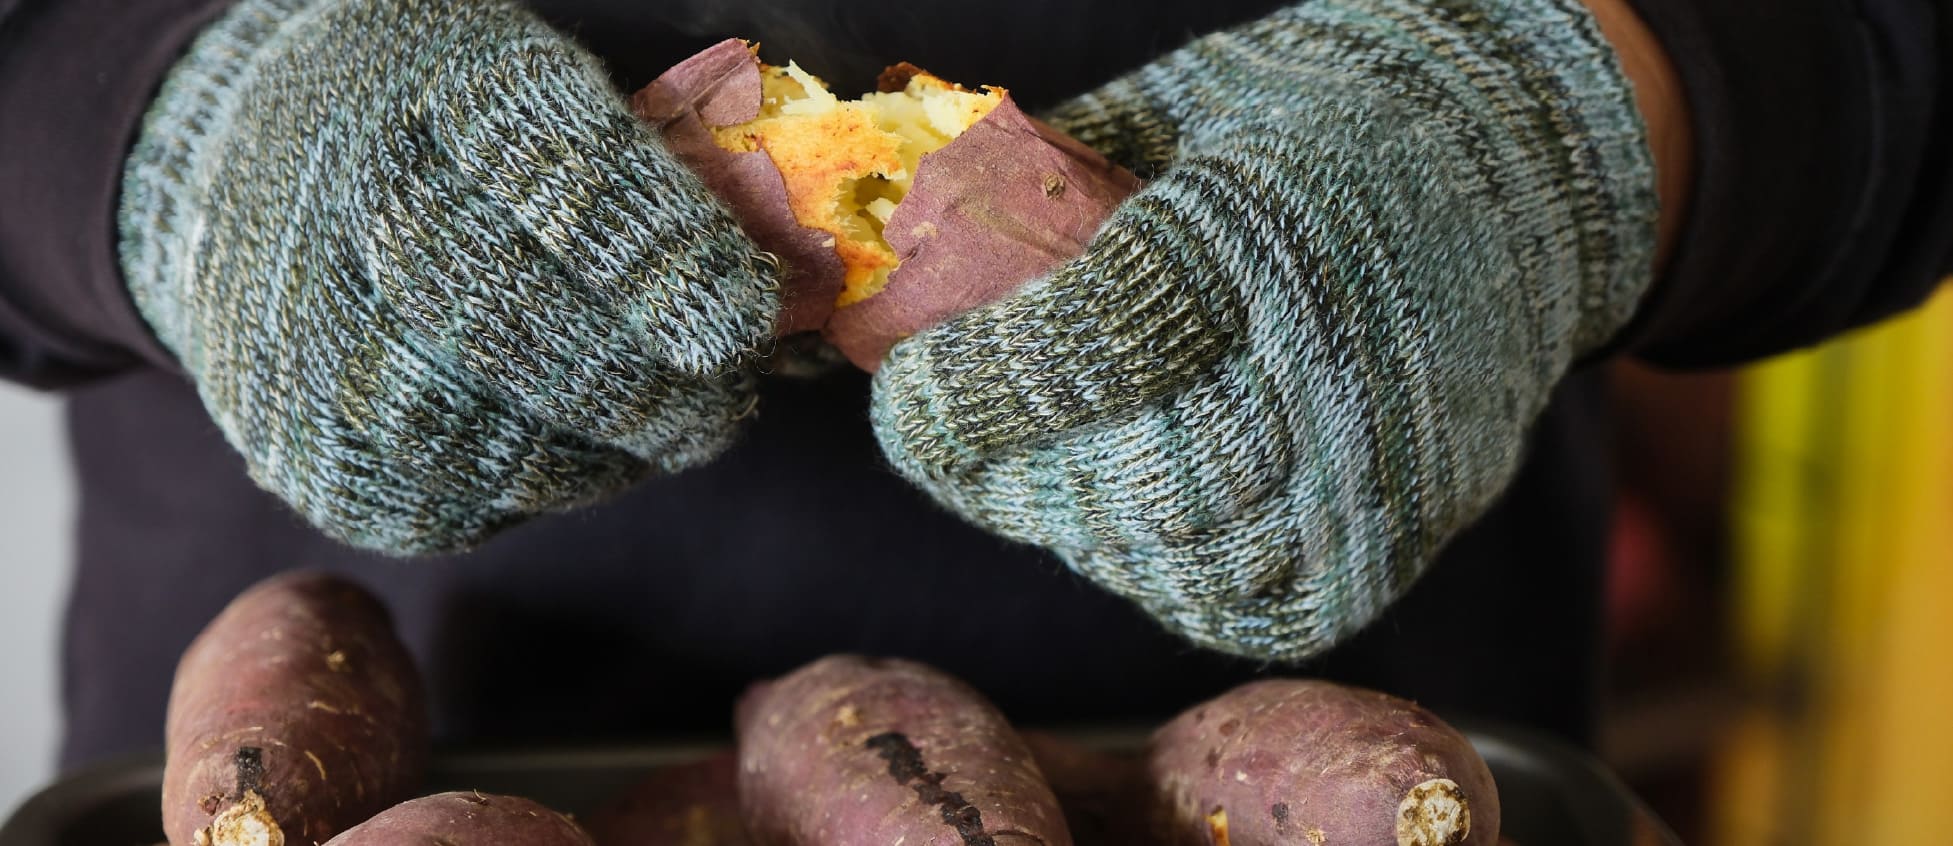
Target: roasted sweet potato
{"points": [[295, 714], [691, 804], [849, 751], [1312, 763], [894, 212], [465, 819]]}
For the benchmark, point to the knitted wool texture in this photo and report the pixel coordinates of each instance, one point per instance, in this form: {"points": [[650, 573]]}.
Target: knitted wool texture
{"points": [[1306, 355], [428, 274]]}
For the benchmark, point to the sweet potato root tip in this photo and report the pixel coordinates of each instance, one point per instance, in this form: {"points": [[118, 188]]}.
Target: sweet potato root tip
{"points": [[1434, 813], [246, 823]]}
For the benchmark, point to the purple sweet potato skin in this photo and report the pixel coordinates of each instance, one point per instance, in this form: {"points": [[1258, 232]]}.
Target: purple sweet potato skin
{"points": [[720, 86], [1103, 794], [690, 804], [1007, 201], [465, 819], [850, 750], [1307, 763], [300, 693]]}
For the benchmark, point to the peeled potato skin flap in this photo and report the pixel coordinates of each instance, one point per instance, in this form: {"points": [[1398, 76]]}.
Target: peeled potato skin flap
{"points": [[1006, 202], [721, 87]]}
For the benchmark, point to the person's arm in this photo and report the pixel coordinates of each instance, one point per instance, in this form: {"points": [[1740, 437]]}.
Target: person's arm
{"points": [[75, 79], [1821, 195]]}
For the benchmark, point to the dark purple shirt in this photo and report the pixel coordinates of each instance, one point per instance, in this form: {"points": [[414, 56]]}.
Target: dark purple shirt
{"points": [[1822, 203]]}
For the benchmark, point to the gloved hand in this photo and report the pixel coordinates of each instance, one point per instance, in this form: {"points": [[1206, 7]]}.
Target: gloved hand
{"points": [[1307, 354], [429, 275]]}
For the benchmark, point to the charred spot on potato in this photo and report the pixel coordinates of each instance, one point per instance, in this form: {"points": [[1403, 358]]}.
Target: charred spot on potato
{"points": [[249, 761], [906, 766], [1279, 811]]}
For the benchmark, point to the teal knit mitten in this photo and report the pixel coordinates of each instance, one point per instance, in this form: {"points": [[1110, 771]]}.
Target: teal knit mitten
{"points": [[1307, 353], [428, 273]]}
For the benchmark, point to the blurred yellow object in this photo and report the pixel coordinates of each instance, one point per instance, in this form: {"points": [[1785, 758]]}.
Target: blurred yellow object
{"points": [[1843, 529]]}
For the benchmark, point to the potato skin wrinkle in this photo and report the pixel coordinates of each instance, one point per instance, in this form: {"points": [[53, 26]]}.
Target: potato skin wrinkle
{"points": [[295, 714], [1305, 762]]}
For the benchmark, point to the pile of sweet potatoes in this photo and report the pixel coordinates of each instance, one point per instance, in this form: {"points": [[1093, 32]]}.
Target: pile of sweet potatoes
{"points": [[297, 718]]}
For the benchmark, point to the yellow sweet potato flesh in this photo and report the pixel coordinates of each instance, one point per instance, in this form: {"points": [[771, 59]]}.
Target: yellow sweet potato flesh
{"points": [[848, 163]]}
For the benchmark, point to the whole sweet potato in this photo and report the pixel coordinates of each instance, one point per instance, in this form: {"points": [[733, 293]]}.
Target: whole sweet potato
{"points": [[465, 819], [849, 751], [295, 714], [690, 804], [1313, 763]]}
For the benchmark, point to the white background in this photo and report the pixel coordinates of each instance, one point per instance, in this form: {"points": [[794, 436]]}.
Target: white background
{"points": [[36, 516]]}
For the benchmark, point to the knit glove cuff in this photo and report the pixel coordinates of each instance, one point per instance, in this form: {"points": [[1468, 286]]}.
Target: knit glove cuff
{"points": [[167, 177]]}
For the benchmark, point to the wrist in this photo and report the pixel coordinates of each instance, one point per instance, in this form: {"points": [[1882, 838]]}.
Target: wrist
{"points": [[1659, 95]]}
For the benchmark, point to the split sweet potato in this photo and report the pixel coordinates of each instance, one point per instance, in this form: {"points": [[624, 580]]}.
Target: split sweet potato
{"points": [[465, 819], [891, 213], [850, 750], [1312, 763], [295, 714]]}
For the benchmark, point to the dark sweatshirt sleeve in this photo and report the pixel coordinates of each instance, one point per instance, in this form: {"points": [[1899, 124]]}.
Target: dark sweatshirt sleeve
{"points": [[1823, 196], [75, 79]]}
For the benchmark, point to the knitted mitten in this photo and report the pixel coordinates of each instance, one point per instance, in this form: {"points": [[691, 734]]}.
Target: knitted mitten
{"points": [[427, 272], [1307, 353]]}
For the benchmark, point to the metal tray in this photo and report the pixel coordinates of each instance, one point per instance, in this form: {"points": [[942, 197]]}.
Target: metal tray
{"points": [[1550, 794]]}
